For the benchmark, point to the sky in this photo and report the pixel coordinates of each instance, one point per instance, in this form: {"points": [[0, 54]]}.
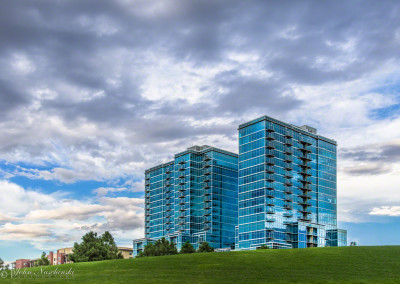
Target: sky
{"points": [[94, 92]]}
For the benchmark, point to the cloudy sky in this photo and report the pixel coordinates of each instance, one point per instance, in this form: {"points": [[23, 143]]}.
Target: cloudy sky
{"points": [[94, 92]]}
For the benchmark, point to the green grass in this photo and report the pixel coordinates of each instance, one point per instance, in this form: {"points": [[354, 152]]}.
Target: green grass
{"points": [[380, 264]]}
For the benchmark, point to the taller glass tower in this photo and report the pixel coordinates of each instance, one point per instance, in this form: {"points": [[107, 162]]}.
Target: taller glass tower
{"points": [[192, 198], [287, 187]]}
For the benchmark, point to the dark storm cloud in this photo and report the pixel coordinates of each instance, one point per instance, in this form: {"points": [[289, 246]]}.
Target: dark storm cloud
{"points": [[372, 159], [389, 153], [77, 47]]}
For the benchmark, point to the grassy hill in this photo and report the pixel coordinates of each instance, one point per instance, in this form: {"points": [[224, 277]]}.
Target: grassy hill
{"points": [[314, 265]]}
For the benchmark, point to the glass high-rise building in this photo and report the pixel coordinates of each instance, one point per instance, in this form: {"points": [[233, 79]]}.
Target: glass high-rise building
{"points": [[287, 187], [192, 198]]}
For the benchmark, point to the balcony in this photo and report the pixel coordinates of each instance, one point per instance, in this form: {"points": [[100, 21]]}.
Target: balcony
{"points": [[288, 190], [167, 189], [270, 211], [270, 161], [289, 133], [306, 141], [306, 158], [206, 158], [288, 175], [288, 206], [305, 219], [207, 171], [181, 208], [270, 202], [181, 182], [147, 183], [270, 177], [288, 198], [147, 177], [167, 183], [207, 220], [288, 166], [206, 185], [207, 179], [207, 192], [182, 162], [181, 194], [305, 195], [305, 150], [207, 164], [168, 176], [207, 227], [270, 185], [182, 175], [207, 198], [305, 165], [207, 212], [270, 130], [207, 206], [288, 142], [270, 145], [270, 153], [270, 169], [305, 188], [288, 182], [288, 215], [305, 172], [168, 170], [270, 193], [288, 159], [288, 151], [270, 218], [305, 180], [181, 168], [270, 136]]}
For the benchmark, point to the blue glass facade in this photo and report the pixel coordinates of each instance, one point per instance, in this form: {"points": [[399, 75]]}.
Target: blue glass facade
{"points": [[287, 186], [193, 198]]}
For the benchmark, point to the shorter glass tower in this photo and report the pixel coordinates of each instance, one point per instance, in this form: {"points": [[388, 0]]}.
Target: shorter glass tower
{"points": [[193, 198]]}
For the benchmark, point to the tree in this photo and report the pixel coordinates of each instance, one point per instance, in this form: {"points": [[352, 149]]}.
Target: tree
{"points": [[7, 267], [263, 247], [160, 247], [43, 260], [205, 247], [1, 264], [353, 244], [95, 248], [187, 248]]}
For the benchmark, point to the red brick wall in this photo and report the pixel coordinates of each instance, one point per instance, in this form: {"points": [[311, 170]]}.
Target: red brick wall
{"points": [[50, 257], [22, 263]]}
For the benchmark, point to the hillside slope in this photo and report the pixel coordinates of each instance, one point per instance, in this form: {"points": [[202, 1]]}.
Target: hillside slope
{"points": [[314, 265]]}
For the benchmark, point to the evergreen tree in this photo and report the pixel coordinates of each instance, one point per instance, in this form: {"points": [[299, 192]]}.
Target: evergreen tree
{"points": [[160, 247], [95, 248], [43, 260], [187, 248], [1, 264], [205, 247]]}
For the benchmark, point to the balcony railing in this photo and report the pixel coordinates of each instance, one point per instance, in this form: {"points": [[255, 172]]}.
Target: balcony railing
{"points": [[288, 151], [270, 177], [270, 161], [270, 169], [270, 153], [289, 133], [270, 201], [270, 136], [270, 145], [288, 142]]}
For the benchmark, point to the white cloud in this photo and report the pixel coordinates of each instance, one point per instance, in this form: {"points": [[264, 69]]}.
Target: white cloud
{"points": [[53, 220], [386, 211]]}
